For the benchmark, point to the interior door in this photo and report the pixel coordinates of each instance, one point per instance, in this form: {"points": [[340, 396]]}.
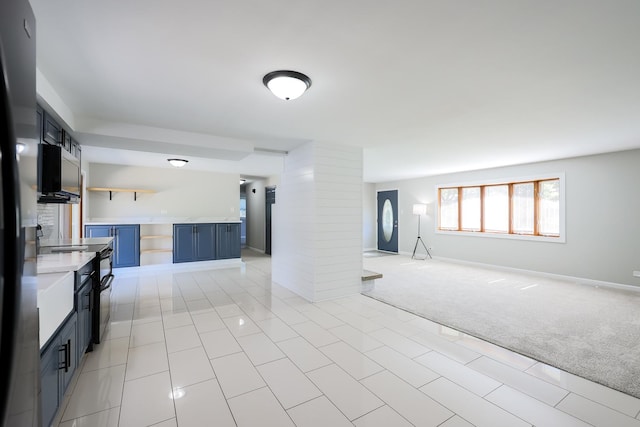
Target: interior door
{"points": [[388, 221]]}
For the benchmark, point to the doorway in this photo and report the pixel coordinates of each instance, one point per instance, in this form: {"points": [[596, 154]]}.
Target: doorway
{"points": [[388, 221], [270, 199]]}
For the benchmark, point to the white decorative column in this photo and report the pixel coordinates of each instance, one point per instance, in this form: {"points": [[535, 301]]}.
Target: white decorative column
{"points": [[317, 222]]}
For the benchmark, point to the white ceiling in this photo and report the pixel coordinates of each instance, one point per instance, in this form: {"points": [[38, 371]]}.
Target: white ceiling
{"points": [[424, 86]]}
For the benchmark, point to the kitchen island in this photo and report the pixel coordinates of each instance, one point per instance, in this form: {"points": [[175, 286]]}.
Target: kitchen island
{"points": [[66, 281]]}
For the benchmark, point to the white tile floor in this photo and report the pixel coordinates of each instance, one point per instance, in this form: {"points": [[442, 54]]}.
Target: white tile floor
{"points": [[225, 347]]}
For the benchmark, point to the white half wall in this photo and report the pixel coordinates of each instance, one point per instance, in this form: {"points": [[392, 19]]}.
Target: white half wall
{"points": [[179, 193], [602, 220], [317, 222], [369, 217]]}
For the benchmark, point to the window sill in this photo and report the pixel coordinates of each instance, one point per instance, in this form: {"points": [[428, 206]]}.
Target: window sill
{"points": [[548, 239]]}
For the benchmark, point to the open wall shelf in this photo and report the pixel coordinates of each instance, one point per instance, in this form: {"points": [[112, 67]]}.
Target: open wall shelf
{"points": [[111, 190], [156, 244]]}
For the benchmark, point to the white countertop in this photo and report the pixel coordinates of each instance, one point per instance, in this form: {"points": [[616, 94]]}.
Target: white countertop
{"points": [[44, 243], [161, 220], [63, 262]]}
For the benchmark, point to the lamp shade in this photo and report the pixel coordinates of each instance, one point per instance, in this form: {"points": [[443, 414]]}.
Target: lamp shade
{"points": [[419, 209], [287, 84]]}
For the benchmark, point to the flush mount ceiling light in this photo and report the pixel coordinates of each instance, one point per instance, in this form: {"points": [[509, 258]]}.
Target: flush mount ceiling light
{"points": [[286, 84], [178, 163]]}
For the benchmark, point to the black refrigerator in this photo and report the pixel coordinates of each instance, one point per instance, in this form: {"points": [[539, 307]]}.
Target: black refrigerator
{"points": [[19, 344]]}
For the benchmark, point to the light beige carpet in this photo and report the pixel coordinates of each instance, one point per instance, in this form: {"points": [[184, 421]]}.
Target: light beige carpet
{"points": [[590, 331]]}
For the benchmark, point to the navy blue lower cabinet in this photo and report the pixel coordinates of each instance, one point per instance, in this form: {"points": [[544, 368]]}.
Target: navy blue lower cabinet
{"points": [[205, 242], [68, 353], [49, 384], [228, 241], [126, 242], [57, 365], [126, 247], [193, 242], [98, 230], [183, 243], [84, 298]]}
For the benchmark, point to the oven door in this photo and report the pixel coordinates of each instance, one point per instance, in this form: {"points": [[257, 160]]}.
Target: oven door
{"points": [[105, 264], [105, 304], [102, 296]]}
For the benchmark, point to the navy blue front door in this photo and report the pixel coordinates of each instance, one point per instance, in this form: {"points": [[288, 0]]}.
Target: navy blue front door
{"points": [[388, 221]]}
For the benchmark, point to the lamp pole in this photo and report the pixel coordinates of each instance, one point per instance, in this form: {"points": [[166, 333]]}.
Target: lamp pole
{"points": [[418, 210]]}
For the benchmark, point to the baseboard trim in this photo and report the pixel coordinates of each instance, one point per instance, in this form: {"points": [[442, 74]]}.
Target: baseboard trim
{"points": [[255, 249], [578, 280]]}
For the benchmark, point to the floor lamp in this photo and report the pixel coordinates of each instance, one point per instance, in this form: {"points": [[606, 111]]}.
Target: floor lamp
{"points": [[420, 209]]}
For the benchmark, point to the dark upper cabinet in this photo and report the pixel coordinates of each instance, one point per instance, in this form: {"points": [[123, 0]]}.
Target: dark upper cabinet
{"points": [[39, 121], [227, 241], [126, 242], [70, 144], [76, 150], [51, 130], [66, 140], [193, 242]]}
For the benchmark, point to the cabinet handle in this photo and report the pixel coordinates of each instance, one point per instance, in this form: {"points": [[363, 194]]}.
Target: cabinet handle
{"points": [[63, 364], [66, 348], [66, 369]]}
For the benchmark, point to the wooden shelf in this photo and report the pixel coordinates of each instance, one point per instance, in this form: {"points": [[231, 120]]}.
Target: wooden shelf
{"points": [[153, 251], [111, 190], [157, 237]]}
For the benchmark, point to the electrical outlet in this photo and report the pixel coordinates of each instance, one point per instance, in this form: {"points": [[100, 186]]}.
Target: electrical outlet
{"points": [[636, 273]]}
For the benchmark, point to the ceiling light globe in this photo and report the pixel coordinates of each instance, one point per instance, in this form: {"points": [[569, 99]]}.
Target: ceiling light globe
{"points": [[287, 85], [178, 163]]}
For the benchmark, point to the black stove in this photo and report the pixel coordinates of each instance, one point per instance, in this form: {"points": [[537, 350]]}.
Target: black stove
{"points": [[102, 290]]}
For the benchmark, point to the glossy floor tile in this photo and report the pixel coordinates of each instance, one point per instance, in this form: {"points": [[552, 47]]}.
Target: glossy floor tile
{"points": [[319, 412], [203, 403], [288, 383], [147, 401], [259, 408], [227, 347], [349, 395], [236, 374], [190, 367], [406, 400]]}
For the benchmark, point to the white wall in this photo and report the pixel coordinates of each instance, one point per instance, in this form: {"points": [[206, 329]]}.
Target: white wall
{"points": [[179, 193], [317, 222], [369, 216], [602, 220]]}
